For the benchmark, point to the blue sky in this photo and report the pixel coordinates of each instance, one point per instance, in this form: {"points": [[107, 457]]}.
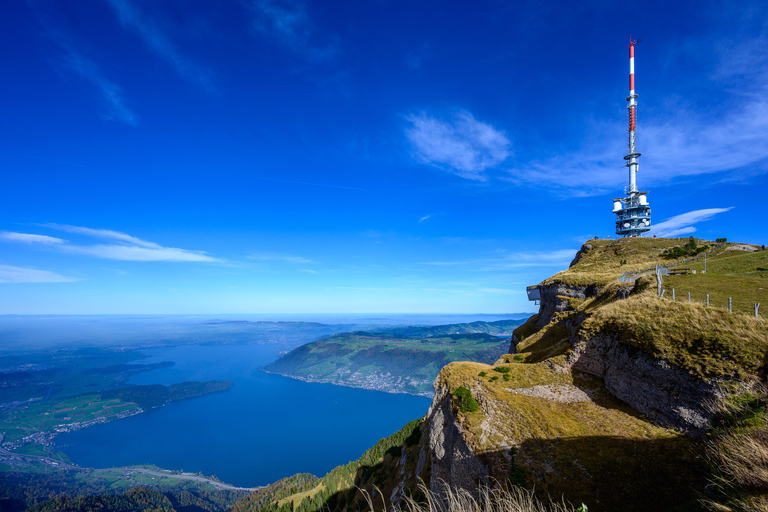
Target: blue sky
{"points": [[288, 156]]}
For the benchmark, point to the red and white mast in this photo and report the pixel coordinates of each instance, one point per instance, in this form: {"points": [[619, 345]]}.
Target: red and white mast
{"points": [[632, 156], [633, 214]]}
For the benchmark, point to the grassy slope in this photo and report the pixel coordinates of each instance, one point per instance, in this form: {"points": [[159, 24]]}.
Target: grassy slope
{"points": [[351, 357], [601, 451], [740, 275]]}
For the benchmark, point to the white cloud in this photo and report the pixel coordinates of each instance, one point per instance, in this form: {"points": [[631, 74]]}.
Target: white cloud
{"points": [[683, 142], [138, 253], [126, 248], [110, 91], [10, 274], [426, 217], [105, 233], [683, 224], [30, 238], [464, 146], [131, 17]]}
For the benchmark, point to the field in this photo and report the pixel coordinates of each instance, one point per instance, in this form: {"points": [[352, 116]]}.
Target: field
{"points": [[741, 275], [44, 417]]}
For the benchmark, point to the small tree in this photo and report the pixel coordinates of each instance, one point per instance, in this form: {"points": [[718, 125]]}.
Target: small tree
{"points": [[466, 402]]}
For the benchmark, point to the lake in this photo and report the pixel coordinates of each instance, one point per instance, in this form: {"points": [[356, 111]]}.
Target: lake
{"points": [[264, 428]]}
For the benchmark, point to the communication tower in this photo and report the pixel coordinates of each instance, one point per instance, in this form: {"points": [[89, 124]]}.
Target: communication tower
{"points": [[633, 213]]}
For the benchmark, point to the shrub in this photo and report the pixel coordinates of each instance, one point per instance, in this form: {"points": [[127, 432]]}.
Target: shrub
{"points": [[518, 357], [466, 402], [483, 374], [507, 376], [494, 378], [502, 369]]}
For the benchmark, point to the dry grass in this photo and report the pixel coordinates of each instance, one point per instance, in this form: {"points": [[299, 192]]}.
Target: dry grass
{"points": [[609, 259], [739, 451], [707, 342], [500, 499]]}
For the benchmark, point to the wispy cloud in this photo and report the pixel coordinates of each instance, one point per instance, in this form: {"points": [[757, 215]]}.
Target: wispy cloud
{"points": [[289, 23], [425, 218], [683, 224], [131, 17], [556, 258], [683, 141], [462, 145], [285, 258], [10, 274], [30, 238], [74, 61], [111, 93], [124, 248]]}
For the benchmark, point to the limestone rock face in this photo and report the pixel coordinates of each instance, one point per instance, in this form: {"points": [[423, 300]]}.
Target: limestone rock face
{"points": [[453, 461], [660, 390], [554, 299]]}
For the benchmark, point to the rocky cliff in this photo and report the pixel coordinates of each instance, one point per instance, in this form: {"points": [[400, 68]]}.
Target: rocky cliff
{"points": [[604, 396], [605, 393]]}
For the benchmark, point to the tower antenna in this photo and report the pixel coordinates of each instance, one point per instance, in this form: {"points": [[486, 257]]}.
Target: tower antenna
{"points": [[633, 213]]}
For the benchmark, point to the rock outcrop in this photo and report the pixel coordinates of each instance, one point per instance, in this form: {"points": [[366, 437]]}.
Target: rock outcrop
{"points": [[453, 461], [660, 390]]}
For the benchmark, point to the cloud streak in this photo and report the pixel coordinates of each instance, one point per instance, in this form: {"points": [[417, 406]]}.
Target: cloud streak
{"points": [[556, 258], [132, 18], [111, 93], [30, 238], [463, 145], [285, 258], [683, 142], [683, 224], [124, 247], [288, 22], [11, 274]]}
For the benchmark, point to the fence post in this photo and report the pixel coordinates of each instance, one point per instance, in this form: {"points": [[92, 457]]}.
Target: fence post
{"points": [[757, 305], [689, 296], [658, 280], [673, 295], [730, 305], [662, 294], [707, 300]]}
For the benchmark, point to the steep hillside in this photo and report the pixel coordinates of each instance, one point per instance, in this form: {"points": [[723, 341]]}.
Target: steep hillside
{"points": [[607, 394], [387, 362]]}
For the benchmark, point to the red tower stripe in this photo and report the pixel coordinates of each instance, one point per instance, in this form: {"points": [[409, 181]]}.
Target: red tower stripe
{"points": [[632, 82]]}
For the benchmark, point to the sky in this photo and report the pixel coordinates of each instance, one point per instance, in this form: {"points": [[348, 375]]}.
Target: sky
{"points": [[296, 156]]}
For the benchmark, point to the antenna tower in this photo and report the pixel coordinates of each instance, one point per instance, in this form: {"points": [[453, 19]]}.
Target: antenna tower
{"points": [[633, 213]]}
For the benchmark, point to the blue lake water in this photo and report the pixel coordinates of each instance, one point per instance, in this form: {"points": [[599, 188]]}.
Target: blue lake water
{"points": [[264, 428]]}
